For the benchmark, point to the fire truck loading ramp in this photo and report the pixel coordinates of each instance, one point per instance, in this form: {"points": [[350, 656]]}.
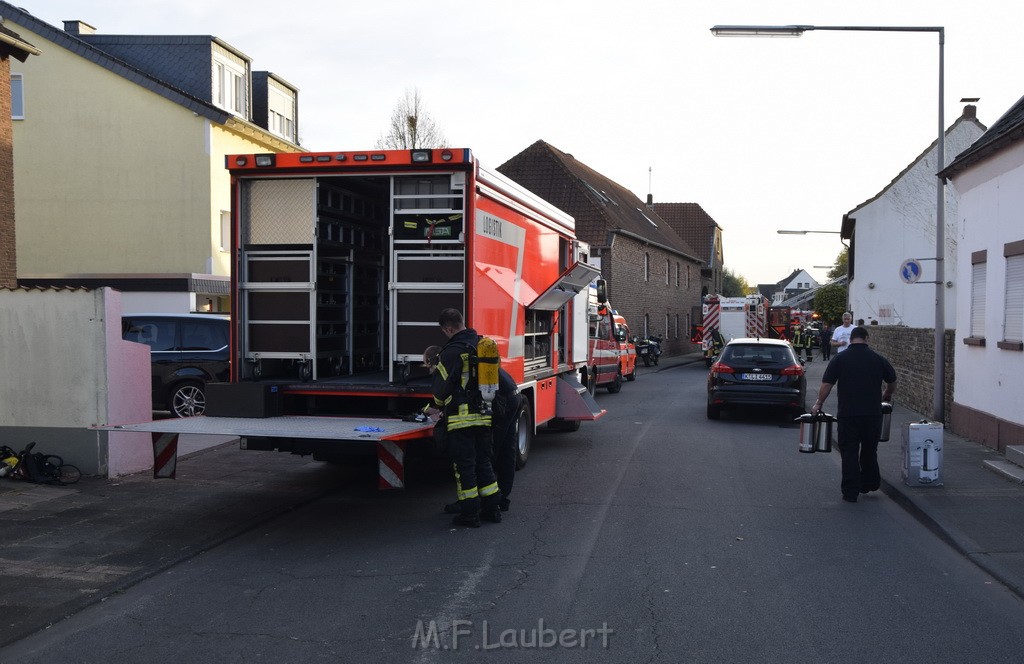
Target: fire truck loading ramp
{"points": [[286, 426]]}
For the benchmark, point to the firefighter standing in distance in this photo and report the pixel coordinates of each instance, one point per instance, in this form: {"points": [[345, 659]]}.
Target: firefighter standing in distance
{"points": [[802, 342], [469, 423]]}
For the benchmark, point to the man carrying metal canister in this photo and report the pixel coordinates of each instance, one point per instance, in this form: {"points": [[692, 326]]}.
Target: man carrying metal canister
{"points": [[468, 423], [860, 373]]}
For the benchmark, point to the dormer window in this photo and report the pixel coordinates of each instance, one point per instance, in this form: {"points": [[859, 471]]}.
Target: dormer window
{"points": [[281, 114], [229, 85]]}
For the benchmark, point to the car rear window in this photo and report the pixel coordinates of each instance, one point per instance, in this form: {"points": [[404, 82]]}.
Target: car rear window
{"points": [[757, 354]]}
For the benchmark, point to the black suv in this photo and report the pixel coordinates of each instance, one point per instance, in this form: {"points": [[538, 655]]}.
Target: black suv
{"points": [[187, 351]]}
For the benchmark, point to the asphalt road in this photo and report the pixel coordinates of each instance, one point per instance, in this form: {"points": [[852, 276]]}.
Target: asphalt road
{"points": [[653, 535]]}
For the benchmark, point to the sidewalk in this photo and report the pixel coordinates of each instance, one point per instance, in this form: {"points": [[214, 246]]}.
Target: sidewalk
{"points": [[66, 547], [976, 511]]}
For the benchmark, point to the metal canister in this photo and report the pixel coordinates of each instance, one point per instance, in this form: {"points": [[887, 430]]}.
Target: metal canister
{"points": [[806, 432], [823, 432], [886, 421]]}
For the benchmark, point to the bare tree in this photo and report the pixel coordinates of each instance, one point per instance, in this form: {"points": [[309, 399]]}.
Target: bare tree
{"points": [[411, 126]]}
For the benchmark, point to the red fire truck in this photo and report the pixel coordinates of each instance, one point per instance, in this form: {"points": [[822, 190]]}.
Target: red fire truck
{"points": [[611, 356], [733, 317], [342, 262]]}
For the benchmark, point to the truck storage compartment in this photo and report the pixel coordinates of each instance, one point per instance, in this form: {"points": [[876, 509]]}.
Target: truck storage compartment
{"points": [[343, 277]]}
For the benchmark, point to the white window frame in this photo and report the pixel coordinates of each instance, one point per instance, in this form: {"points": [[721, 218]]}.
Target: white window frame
{"points": [[225, 230], [1013, 307], [17, 97], [230, 85], [281, 110], [668, 271], [647, 267], [979, 283]]}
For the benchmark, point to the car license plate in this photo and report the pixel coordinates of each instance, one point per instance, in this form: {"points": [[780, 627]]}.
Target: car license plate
{"points": [[756, 376]]}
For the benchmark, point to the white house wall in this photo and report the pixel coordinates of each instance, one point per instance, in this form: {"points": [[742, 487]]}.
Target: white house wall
{"points": [[898, 225], [988, 378]]}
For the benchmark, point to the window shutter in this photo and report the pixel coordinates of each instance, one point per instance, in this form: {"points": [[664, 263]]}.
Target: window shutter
{"points": [[979, 278], [1014, 322]]}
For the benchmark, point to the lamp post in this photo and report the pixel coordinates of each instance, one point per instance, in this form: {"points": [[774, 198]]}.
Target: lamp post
{"points": [[938, 397]]}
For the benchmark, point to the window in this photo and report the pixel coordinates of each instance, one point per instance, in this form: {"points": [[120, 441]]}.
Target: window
{"points": [[979, 278], [649, 220], [1013, 321], [281, 112], [229, 85], [647, 267], [665, 329], [677, 274], [668, 270], [676, 335], [225, 230], [17, 97], [687, 277]]}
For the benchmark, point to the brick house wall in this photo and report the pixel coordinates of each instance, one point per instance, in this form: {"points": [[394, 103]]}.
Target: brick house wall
{"points": [[8, 266], [911, 351], [634, 297]]}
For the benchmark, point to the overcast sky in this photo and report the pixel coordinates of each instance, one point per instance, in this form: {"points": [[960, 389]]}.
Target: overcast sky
{"points": [[764, 134]]}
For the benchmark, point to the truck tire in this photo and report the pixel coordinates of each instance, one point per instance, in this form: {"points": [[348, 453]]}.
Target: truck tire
{"points": [[589, 379], [615, 385], [632, 376], [524, 434]]}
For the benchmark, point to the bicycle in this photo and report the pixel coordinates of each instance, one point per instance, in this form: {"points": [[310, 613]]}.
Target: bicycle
{"points": [[37, 467]]}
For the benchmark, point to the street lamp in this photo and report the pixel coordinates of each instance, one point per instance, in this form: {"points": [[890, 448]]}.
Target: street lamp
{"points": [[938, 397]]}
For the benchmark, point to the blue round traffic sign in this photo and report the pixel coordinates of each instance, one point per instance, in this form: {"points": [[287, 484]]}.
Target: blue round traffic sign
{"points": [[910, 271]]}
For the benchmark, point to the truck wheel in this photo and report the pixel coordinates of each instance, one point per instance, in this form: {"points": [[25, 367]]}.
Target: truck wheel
{"points": [[616, 385], [632, 376], [589, 379], [187, 399], [524, 434]]}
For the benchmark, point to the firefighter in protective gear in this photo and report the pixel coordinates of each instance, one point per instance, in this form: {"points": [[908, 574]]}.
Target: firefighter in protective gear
{"points": [[802, 341], [468, 423]]}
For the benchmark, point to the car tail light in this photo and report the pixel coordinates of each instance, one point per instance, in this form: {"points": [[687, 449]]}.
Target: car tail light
{"points": [[792, 370], [720, 368]]}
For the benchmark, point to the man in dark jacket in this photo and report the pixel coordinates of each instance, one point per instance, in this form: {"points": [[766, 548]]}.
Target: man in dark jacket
{"points": [[865, 379], [468, 425], [506, 436]]}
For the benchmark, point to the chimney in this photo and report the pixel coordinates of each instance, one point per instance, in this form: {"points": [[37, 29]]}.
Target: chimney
{"points": [[970, 110], [78, 28], [650, 200]]}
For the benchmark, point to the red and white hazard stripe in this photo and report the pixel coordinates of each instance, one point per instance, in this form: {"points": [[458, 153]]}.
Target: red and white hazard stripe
{"points": [[391, 464], [712, 317], [165, 455]]}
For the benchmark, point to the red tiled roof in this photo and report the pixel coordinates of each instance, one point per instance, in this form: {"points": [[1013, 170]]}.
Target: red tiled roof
{"points": [[600, 205], [692, 224]]}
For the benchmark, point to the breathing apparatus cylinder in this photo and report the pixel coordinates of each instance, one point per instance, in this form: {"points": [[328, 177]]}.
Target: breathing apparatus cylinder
{"points": [[488, 362]]}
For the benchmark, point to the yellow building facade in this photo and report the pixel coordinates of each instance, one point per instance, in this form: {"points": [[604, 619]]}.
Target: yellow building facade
{"points": [[117, 172]]}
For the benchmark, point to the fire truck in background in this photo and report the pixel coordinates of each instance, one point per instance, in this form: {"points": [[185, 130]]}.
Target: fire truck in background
{"points": [[342, 262], [609, 360], [733, 318]]}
